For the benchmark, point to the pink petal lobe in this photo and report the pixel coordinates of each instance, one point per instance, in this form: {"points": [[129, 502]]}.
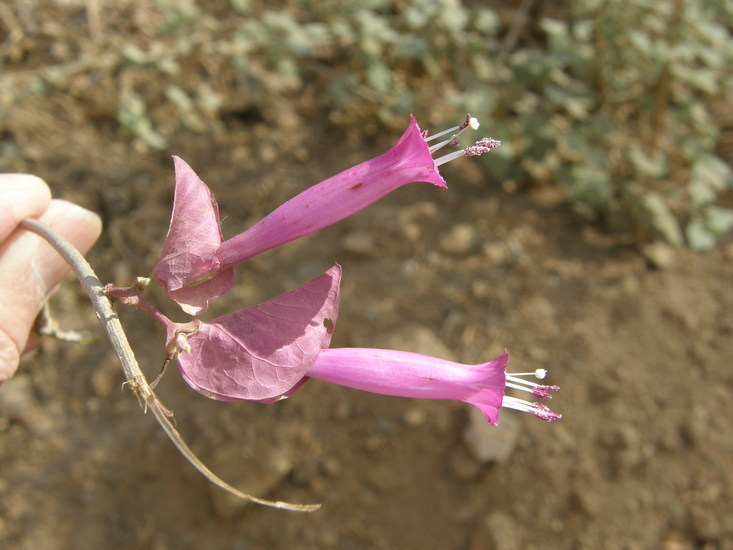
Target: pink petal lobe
{"points": [[189, 251], [263, 352]]}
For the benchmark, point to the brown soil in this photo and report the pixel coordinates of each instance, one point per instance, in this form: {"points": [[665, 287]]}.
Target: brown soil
{"points": [[642, 459]]}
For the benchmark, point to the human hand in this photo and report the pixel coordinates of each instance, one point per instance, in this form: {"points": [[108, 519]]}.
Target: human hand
{"points": [[29, 268]]}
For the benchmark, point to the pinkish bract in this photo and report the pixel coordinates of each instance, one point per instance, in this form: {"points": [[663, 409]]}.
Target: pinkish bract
{"points": [[193, 239], [263, 352]]}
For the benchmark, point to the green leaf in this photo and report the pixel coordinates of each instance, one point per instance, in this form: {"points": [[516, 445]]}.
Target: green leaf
{"points": [[699, 237], [559, 37], [486, 21], [132, 115], [662, 218], [590, 189], [719, 220], [646, 165], [714, 172], [378, 77]]}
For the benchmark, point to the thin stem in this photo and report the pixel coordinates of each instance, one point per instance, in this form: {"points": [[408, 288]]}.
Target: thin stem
{"points": [[94, 288], [132, 296], [130, 368]]}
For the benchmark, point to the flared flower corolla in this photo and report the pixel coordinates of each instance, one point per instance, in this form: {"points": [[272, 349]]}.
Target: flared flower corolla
{"points": [[405, 374], [196, 262]]}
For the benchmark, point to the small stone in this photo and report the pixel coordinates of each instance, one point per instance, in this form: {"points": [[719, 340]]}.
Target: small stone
{"points": [[329, 538], [586, 501], [498, 531], [411, 231], [695, 427], [675, 541], [359, 243], [480, 289], [628, 450], [496, 252], [622, 437], [705, 525], [660, 255], [603, 390], [490, 443], [331, 467], [415, 417], [423, 211], [461, 240], [384, 479], [255, 475], [462, 465], [375, 442], [17, 399]]}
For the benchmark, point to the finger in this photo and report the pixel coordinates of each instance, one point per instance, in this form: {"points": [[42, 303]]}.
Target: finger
{"points": [[21, 196], [79, 226], [29, 271]]}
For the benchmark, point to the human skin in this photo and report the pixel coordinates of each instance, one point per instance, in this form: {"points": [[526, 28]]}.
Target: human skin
{"points": [[30, 269]]}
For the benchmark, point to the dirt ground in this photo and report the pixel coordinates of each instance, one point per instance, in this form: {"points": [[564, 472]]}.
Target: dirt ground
{"points": [[642, 458]]}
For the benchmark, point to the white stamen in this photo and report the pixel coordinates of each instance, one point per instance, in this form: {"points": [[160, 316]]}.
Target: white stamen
{"points": [[539, 374], [442, 144], [470, 121], [481, 147], [517, 404], [520, 383], [536, 409], [449, 157], [517, 382], [441, 134]]}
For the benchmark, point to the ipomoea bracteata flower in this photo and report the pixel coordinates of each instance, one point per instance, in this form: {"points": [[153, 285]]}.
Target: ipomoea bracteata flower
{"points": [[196, 262], [405, 374]]}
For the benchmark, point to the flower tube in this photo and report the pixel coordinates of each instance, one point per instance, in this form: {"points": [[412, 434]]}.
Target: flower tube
{"points": [[405, 374], [340, 196]]}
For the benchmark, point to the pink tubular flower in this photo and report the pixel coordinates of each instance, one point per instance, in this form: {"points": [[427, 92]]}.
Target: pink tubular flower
{"points": [[405, 374], [338, 197], [196, 263]]}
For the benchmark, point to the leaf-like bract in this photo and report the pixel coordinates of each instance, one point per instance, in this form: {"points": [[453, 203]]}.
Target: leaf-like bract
{"points": [[189, 252], [263, 352]]}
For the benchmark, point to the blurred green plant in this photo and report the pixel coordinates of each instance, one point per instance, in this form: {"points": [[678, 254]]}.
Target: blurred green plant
{"points": [[610, 99], [626, 87]]}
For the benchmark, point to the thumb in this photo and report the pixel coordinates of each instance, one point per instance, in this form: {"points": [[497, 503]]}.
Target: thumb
{"points": [[29, 271]]}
